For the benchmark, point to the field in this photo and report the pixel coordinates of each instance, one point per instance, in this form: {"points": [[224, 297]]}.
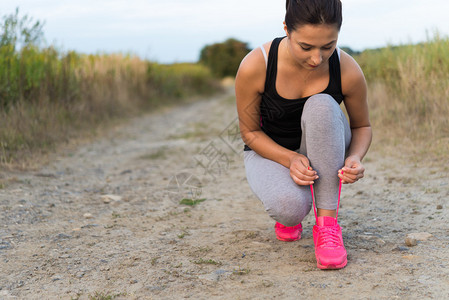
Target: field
{"points": [[154, 203], [50, 98], [409, 98]]}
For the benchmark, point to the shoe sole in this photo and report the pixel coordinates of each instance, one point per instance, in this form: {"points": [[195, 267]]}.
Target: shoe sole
{"points": [[331, 266], [287, 240]]}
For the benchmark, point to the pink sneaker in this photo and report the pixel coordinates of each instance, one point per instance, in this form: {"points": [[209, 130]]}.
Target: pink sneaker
{"points": [[288, 234], [329, 249]]}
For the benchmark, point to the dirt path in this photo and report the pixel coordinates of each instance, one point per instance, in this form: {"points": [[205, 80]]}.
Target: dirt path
{"points": [[61, 237]]}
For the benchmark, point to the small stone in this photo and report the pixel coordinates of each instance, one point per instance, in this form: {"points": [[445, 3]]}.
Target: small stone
{"points": [[419, 236], [400, 248], [76, 229], [63, 236], [380, 242], [109, 198], [4, 245], [89, 226], [410, 241], [88, 216], [411, 257], [439, 206], [6, 294]]}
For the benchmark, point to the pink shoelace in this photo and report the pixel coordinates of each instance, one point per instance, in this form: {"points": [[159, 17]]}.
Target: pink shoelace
{"points": [[330, 240], [338, 205]]}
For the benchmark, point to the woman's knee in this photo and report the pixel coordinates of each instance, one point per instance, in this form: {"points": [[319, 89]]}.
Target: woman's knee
{"points": [[288, 211], [321, 104], [321, 111]]}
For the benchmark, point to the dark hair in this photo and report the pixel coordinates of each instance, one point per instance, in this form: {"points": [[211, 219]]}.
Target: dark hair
{"points": [[302, 12]]}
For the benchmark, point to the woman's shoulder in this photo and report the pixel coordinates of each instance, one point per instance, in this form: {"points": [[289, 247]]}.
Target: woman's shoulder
{"points": [[255, 60], [254, 64], [348, 64], [351, 73]]}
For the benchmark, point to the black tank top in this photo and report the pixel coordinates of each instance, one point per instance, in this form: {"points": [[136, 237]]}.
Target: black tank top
{"points": [[280, 118]]}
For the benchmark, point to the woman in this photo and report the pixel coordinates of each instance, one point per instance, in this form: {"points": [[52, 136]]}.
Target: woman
{"points": [[299, 147]]}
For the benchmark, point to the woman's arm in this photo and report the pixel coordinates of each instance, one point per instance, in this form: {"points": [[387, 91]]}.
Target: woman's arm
{"points": [[355, 92], [249, 86]]}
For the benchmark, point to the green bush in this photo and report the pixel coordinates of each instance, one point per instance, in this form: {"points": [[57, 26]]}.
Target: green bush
{"points": [[224, 58]]}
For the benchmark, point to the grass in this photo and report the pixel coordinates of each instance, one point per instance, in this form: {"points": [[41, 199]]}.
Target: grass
{"points": [[115, 215], [204, 249], [197, 130], [49, 97], [409, 98], [202, 261], [241, 271], [191, 202], [105, 296], [154, 260], [183, 234], [159, 154]]}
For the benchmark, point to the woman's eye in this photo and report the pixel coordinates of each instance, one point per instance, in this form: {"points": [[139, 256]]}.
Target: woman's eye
{"points": [[306, 49], [327, 48]]}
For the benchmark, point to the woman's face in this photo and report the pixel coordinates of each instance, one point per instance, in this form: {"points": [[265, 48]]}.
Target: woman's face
{"points": [[311, 45]]}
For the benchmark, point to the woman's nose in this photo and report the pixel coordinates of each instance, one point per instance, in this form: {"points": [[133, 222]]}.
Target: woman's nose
{"points": [[317, 58]]}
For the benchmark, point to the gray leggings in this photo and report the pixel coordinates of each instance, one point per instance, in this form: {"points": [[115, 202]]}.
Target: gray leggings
{"points": [[325, 140]]}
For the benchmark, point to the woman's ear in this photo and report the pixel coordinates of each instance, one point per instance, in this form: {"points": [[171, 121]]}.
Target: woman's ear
{"points": [[285, 29]]}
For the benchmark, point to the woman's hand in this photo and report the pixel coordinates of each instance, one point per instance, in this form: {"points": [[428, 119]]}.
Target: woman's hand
{"points": [[301, 171], [352, 171]]}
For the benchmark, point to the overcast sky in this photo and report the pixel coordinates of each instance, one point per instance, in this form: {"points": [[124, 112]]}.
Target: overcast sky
{"points": [[176, 30]]}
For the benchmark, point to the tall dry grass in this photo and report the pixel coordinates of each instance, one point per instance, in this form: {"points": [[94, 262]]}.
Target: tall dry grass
{"points": [[409, 97], [48, 97]]}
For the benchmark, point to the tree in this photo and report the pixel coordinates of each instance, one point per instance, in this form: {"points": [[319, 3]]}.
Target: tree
{"points": [[20, 32], [224, 58]]}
